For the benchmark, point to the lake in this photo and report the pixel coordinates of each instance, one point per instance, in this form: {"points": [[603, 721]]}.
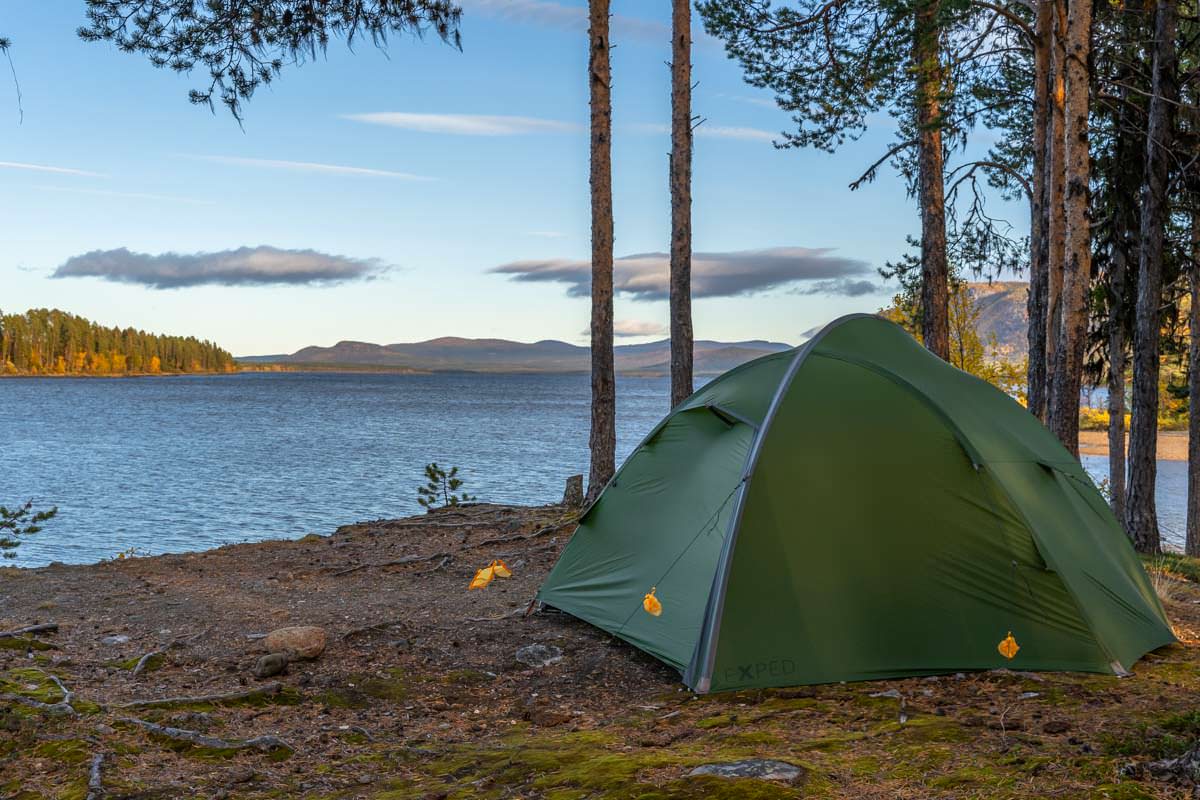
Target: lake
{"points": [[173, 464]]}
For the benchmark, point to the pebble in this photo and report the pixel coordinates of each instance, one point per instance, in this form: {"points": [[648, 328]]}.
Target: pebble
{"points": [[119, 638]]}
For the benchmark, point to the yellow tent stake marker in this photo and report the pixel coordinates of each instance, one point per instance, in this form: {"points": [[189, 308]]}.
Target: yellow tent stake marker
{"points": [[650, 603], [1008, 647]]}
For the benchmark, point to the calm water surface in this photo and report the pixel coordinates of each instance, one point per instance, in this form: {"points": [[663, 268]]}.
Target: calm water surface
{"points": [[188, 463]]}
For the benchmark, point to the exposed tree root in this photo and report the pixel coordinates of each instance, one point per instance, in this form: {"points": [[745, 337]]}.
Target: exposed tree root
{"points": [[145, 660], [95, 778], [263, 743], [395, 563], [46, 627], [266, 690], [58, 709], [378, 626]]}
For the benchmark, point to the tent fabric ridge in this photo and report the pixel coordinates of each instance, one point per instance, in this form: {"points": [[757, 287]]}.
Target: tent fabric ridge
{"points": [[704, 657], [728, 416], [963, 442]]}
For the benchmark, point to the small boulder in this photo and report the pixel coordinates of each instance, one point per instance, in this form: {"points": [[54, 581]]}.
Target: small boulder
{"points": [[539, 655], [762, 768], [271, 664], [301, 641], [115, 639]]}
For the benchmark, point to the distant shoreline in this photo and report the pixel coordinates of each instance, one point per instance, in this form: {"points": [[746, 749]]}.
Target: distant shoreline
{"points": [[1172, 445]]}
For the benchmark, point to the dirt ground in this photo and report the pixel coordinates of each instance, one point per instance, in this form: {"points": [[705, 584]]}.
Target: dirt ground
{"points": [[419, 693], [1172, 445]]}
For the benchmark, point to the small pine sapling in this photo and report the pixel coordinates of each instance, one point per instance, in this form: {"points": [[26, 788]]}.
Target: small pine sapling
{"points": [[20, 521], [441, 488]]}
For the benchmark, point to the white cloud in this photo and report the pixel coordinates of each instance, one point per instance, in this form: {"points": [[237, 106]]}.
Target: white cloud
{"points": [[465, 124], [245, 266], [638, 327], [56, 170], [310, 166], [646, 276]]}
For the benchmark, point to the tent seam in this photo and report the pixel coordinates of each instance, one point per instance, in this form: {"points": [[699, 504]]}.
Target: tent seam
{"points": [[705, 661]]}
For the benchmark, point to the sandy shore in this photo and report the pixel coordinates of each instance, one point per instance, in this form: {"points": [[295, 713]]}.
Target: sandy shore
{"points": [[1172, 445]]}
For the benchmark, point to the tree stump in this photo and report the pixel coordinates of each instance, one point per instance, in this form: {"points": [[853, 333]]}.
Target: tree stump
{"points": [[573, 496]]}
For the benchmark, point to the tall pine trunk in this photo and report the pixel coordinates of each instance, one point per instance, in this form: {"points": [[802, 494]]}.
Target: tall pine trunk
{"points": [[1116, 379], [1038, 208], [1124, 215], [1067, 376], [603, 438], [1192, 543], [935, 289], [1055, 169], [681, 201], [1141, 518]]}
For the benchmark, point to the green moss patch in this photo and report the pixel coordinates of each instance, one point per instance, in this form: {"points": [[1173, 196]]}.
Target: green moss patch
{"points": [[24, 644], [1162, 737]]}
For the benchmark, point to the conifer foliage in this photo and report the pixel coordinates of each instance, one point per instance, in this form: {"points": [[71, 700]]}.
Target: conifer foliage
{"points": [[51, 342], [245, 45], [20, 521], [441, 488]]}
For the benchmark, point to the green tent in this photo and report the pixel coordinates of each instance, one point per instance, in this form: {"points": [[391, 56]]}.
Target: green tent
{"points": [[855, 509]]}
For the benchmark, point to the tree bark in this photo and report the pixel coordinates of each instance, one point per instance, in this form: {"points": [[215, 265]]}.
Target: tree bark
{"points": [[1116, 379], [603, 439], [1141, 517], [1055, 167], [935, 273], [1038, 209], [1192, 542], [1067, 376], [681, 201]]}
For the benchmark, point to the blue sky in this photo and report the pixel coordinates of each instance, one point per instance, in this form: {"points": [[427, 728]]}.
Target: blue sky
{"points": [[410, 168]]}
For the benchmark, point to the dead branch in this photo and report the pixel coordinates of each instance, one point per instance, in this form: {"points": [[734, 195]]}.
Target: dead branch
{"points": [[46, 627], [257, 693], [263, 743], [516, 612], [96, 779]]}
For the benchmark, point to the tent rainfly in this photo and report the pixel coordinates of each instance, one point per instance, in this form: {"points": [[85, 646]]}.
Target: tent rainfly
{"points": [[856, 509]]}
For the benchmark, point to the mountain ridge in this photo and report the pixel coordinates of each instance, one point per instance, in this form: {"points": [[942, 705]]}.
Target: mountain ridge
{"points": [[459, 354]]}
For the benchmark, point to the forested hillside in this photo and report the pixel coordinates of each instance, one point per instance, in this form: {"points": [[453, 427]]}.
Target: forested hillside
{"points": [[51, 342]]}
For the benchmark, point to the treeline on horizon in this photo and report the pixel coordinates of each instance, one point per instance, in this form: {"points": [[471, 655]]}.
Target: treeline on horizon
{"points": [[52, 342]]}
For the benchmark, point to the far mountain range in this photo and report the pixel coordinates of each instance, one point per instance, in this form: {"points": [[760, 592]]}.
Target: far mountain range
{"points": [[1001, 306]]}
